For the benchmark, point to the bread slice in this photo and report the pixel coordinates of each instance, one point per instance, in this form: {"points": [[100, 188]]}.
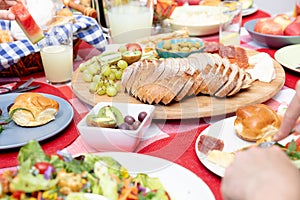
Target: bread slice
{"points": [[33, 109]]}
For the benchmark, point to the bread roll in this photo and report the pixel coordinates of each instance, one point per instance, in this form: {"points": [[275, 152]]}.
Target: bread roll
{"points": [[255, 122], [36, 109]]}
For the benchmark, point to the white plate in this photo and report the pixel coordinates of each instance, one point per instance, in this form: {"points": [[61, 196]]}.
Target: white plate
{"points": [[250, 10], [199, 20], [224, 130], [178, 181], [15, 136], [289, 57]]}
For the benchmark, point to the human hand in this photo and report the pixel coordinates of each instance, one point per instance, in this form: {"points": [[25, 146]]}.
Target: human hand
{"points": [[290, 117], [261, 173], [4, 9]]}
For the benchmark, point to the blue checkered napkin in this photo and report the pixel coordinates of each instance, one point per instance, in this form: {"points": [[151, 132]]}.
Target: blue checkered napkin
{"points": [[85, 28]]}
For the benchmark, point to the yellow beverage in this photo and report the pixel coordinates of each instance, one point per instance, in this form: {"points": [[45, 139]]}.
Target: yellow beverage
{"points": [[124, 20], [229, 38], [58, 63]]}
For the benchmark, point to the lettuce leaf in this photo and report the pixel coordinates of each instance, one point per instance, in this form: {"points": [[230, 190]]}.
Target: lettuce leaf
{"points": [[32, 151]]}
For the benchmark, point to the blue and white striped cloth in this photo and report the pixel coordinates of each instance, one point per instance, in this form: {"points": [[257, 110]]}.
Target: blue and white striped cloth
{"points": [[85, 28]]}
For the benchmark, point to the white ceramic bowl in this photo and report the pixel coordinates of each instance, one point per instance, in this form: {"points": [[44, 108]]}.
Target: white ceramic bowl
{"points": [[199, 20], [110, 139]]}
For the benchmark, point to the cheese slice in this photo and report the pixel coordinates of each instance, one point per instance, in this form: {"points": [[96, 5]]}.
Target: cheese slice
{"points": [[263, 69], [221, 158]]}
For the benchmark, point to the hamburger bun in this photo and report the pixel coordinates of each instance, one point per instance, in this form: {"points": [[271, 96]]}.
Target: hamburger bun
{"points": [[255, 122], [33, 109]]}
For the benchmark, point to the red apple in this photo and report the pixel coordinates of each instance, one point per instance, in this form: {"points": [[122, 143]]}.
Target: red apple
{"points": [[268, 26], [133, 47], [293, 29]]}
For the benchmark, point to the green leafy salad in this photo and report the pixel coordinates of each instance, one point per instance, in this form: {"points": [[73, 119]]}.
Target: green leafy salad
{"points": [[63, 177]]}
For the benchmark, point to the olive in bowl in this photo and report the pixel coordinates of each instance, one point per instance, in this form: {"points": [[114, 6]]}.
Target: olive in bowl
{"points": [[123, 135], [179, 48]]}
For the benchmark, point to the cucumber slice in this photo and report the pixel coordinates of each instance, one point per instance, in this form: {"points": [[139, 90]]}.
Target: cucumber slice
{"points": [[246, 4], [296, 163]]}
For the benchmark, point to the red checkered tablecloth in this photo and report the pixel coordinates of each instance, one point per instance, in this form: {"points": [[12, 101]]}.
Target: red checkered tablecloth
{"points": [[173, 140]]}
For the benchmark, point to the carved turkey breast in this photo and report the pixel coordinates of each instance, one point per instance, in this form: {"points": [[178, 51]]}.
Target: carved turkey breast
{"points": [[172, 79]]}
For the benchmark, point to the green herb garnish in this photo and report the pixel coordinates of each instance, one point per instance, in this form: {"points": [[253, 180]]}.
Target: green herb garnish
{"points": [[7, 120]]}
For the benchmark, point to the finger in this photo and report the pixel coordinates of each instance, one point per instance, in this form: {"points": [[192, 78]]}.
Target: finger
{"points": [[6, 15], [291, 115], [22, 1], [11, 2]]}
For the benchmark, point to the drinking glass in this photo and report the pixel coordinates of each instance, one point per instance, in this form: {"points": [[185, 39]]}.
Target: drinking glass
{"points": [[128, 18], [56, 50], [230, 23]]}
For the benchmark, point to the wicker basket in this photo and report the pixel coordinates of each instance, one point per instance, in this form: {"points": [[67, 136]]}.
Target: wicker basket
{"points": [[32, 64]]}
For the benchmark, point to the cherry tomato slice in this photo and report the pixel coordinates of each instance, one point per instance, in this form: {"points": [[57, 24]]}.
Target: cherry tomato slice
{"points": [[287, 144], [298, 141], [17, 194], [42, 166]]}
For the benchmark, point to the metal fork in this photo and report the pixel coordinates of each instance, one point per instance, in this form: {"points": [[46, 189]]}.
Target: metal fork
{"points": [[26, 84], [271, 143], [22, 88]]}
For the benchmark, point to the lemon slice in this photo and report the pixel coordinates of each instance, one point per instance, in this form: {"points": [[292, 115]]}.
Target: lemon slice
{"points": [[230, 39], [296, 163], [246, 4]]}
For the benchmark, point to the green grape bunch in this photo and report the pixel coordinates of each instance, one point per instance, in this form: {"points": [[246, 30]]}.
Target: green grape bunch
{"points": [[104, 77]]}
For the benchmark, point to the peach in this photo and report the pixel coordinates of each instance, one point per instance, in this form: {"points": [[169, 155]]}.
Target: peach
{"points": [[283, 19], [268, 26]]}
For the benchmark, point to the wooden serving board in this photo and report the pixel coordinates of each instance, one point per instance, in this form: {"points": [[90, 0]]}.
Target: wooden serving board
{"points": [[192, 107]]}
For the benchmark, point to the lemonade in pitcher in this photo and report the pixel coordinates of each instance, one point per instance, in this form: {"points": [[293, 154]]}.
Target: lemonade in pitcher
{"points": [[127, 18]]}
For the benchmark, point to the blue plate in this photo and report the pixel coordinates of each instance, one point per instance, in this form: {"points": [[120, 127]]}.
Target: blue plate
{"points": [[16, 136], [271, 41], [162, 53]]}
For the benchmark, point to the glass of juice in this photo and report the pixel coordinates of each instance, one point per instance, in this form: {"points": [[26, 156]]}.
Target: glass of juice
{"points": [[56, 50], [128, 18]]}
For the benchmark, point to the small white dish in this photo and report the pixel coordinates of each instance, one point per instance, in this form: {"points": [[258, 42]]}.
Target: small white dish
{"points": [[112, 139]]}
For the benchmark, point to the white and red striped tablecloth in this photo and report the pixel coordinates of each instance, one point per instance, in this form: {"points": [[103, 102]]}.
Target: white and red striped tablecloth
{"points": [[173, 140]]}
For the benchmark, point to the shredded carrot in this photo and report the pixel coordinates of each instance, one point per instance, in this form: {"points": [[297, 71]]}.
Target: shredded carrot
{"points": [[39, 196], [116, 178], [128, 192]]}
